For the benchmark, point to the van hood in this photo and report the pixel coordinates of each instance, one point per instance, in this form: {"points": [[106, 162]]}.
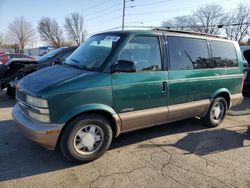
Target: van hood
{"points": [[40, 80]]}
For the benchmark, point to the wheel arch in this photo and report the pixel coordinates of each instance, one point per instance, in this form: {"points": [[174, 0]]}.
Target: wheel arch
{"points": [[99, 109], [225, 93]]}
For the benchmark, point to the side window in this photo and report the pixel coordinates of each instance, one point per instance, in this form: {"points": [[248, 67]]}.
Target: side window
{"points": [[144, 51], [224, 54], [188, 53]]}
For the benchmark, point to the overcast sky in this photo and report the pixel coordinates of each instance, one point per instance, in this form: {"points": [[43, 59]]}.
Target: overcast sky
{"points": [[102, 15]]}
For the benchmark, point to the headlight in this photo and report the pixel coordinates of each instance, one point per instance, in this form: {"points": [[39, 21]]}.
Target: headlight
{"points": [[37, 102], [39, 117]]}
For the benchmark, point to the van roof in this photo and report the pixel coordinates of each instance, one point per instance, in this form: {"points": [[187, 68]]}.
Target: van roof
{"points": [[189, 32], [170, 32]]}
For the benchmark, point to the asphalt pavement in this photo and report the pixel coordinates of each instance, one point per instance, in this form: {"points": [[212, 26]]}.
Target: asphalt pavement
{"points": [[181, 154]]}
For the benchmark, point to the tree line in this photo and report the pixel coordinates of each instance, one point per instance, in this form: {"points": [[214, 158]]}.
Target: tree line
{"points": [[21, 34], [213, 19]]}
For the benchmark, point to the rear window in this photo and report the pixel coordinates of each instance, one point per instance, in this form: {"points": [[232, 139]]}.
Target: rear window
{"points": [[188, 53], [224, 54]]}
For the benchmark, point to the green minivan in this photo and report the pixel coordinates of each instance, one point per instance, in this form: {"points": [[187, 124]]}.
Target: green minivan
{"points": [[122, 81]]}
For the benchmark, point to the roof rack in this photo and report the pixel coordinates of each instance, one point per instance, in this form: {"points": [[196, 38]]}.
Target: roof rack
{"points": [[188, 32]]}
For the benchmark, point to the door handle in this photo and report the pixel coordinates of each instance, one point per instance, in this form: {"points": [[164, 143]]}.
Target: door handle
{"points": [[164, 87]]}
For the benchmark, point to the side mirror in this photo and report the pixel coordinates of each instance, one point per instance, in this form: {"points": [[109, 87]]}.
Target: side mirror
{"points": [[123, 66], [56, 62]]}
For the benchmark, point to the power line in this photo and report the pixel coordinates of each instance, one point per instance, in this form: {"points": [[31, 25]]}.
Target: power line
{"points": [[160, 19], [94, 6], [86, 10], [103, 10], [190, 26], [168, 10], [93, 20], [110, 29], [154, 3], [111, 19]]}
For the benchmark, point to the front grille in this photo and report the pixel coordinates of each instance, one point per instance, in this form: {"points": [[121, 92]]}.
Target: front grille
{"points": [[21, 96]]}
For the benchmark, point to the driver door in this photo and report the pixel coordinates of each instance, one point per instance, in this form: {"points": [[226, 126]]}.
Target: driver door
{"points": [[140, 98]]}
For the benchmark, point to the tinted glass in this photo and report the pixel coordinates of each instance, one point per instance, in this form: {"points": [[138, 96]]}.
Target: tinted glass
{"points": [[51, 54], [224, 54], [145, 52], [188, 53]]}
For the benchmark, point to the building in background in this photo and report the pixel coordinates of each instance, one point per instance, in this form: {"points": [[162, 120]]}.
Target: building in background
{"points": [[30, 51]]}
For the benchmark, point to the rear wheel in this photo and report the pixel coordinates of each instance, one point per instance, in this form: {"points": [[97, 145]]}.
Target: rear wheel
{"points": [[216, 112], [86, 138]]}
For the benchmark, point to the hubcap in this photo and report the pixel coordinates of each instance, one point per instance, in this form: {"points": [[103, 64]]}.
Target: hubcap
{"points": [[218, 111], [88, 139]]}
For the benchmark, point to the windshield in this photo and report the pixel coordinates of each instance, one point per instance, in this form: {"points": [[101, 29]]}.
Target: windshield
{"points": [[93, 52], [51, 54]]}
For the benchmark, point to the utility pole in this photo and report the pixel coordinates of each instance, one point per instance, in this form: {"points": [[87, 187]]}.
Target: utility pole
{"points": [[123, 13]]}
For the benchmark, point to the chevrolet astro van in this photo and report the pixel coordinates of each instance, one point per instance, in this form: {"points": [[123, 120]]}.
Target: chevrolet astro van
{"points": [[122, 81]]}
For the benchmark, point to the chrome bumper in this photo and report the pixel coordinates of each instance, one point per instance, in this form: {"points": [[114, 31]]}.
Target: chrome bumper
{"points": [[44, 134]]}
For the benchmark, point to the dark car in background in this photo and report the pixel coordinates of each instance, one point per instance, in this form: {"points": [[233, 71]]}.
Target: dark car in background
{"points": [[55, 56], [4, 58], [17, 68], [246, 87]]}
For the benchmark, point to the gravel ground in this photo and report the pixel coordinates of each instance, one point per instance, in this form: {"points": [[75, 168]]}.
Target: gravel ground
{"points": [[174, 155]]}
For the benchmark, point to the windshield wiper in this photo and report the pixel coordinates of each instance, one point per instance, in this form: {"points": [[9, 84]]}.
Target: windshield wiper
{"points": [[79, 66], [74, 60], [73, 65]]}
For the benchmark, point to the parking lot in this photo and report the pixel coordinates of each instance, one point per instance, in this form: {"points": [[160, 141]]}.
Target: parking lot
{"points": [[174, 155]]}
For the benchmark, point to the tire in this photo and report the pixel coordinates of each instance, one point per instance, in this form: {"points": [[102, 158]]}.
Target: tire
{"points": [[216, 112], [86, 138]]}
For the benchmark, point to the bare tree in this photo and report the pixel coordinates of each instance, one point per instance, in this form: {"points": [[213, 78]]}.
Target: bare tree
{"points": [[50, 32], [74, 27], [168, 24], [2, 39], [207, 18], [184, 23], [21, 32], [238, 24]]}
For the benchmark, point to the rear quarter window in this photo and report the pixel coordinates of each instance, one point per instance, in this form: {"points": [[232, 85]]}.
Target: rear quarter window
{"points": [[224, 54]]}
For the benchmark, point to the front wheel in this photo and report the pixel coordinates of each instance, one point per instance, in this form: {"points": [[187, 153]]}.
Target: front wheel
{"points": [[216, 112], [86, 138]]}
